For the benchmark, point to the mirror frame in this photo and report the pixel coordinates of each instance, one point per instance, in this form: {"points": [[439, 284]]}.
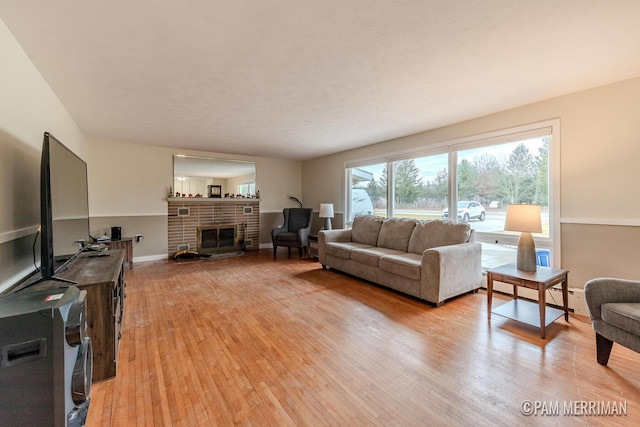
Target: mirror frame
{"points": [[221, 171]]}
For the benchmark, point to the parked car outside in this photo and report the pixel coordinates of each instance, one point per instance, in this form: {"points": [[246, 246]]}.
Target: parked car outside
{"points": [[466, 210]]}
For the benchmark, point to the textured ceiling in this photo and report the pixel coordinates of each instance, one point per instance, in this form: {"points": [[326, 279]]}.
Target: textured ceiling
{"points": [[300, 79]]}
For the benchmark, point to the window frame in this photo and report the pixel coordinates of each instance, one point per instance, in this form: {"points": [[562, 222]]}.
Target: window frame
{"points": [[452, 147]]}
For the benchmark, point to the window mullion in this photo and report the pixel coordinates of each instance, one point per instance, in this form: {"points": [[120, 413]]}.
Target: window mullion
{"points": [[453, 186], [390, 190]]}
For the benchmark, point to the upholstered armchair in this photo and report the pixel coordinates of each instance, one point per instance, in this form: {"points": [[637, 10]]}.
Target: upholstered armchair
{"points": [[614, 308], [294, 233]]}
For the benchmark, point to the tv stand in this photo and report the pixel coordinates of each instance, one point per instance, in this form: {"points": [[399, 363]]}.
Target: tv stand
{"points": [[103, 279]]}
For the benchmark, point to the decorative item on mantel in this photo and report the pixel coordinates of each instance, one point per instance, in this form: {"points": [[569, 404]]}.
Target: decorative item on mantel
{"points": [[326, 211], [525, 219]]}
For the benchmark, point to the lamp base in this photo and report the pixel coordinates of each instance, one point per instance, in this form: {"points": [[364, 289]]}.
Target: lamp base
{"points": [[327, 223], [526, 253]]}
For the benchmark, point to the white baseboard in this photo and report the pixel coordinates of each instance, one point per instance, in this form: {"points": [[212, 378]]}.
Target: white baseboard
{"points": [[149, 258]]}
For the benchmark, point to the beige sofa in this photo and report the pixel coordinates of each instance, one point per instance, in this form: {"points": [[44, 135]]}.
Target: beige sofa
{"points": [[431, 260]]}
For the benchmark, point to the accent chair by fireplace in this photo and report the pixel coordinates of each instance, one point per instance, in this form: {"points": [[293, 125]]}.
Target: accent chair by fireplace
{"points": [[294, 233]]}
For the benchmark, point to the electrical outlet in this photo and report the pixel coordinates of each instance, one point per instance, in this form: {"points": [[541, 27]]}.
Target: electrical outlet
{"points": [[138, 238], [579, 303]]}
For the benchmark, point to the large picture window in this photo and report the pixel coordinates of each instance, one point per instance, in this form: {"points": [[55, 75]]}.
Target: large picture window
{"points": [[491, 177], [474, 177]]}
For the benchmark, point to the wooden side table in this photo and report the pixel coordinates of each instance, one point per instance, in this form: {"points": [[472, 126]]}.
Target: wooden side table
{"points": [[525, 311], [125, 243]]}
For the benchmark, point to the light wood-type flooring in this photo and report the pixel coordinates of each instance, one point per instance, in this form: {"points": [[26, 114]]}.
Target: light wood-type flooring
{"points": [[263, 342]]}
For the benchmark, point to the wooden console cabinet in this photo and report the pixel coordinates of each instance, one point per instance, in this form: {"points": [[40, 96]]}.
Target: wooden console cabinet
{"points": [[125, 243], [103, 279]]}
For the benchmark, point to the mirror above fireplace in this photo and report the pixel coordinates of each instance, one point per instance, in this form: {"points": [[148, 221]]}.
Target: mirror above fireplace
{"points": [[208, 177]]}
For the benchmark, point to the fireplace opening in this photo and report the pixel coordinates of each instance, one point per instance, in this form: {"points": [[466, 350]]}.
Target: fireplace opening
{"points": [[213, 239]]}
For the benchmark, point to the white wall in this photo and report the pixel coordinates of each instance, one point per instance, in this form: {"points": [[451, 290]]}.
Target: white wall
{"points": [[129, 186], [129, 179], [28, 106], [600, 145]]}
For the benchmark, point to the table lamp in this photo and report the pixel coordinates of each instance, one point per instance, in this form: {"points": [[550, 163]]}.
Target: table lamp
{"points": [[326, 211], [526, 220]]}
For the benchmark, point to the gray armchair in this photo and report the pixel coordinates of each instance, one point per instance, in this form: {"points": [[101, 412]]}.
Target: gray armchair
{"points": [[294, 233], [614, 308]]}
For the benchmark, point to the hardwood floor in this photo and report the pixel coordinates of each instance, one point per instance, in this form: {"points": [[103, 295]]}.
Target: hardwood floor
{"points": [[257, 341]]}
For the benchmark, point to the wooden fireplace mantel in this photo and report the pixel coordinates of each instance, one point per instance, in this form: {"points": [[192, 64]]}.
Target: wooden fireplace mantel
{"points": [[239, 200]]}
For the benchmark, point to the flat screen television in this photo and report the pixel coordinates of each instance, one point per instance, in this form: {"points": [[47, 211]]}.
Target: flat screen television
{"points": [[64, 206]]}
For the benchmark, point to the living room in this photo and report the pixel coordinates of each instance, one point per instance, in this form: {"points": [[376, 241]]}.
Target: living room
{"points": [[597, 216]]}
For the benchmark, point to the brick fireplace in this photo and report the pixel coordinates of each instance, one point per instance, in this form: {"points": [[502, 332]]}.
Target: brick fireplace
{"points": [[187, 217]]}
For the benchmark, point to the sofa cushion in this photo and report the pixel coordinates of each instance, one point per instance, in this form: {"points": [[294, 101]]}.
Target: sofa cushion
{"points": [[365, 229], [395, 233], [405, 265], [431, 234], [371, 255], [342, 249], [624, 315]]}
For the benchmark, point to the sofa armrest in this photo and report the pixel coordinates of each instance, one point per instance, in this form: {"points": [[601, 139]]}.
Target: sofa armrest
{"points": [[326, 236], [606, 289], [448, 271]]}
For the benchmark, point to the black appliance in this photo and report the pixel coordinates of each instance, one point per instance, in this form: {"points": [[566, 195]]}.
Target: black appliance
{"points": [[46, 358], [116, 233]]}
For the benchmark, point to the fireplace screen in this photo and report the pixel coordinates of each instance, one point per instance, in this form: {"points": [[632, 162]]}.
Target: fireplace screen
{"points": [[217, 238]]}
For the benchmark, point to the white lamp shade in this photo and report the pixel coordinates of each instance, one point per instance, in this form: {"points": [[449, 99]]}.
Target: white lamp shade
{"points": [[523, 218], [326, 210]]}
